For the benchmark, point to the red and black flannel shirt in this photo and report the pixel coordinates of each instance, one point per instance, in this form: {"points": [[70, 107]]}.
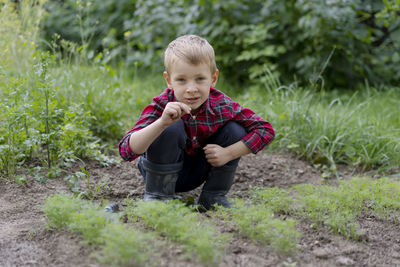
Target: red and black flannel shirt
{"points": [[213, 114]]}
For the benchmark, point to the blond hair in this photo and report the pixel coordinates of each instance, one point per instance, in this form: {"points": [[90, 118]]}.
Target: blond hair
{"points": [[192, 49]]}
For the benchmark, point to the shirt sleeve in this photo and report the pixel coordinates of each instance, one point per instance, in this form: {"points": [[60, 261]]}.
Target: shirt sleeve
{"points": [[150, 114], [259, 132]]}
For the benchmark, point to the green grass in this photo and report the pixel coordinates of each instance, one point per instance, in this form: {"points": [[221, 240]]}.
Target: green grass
{"points": [[361, 129]]}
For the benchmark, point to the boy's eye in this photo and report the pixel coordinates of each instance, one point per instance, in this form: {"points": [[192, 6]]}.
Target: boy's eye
{"points": [[200, 79], [180, 80]]}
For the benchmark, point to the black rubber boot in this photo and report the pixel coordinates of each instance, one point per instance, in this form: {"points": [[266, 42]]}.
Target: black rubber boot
{"points": [[160, 179], [218, 184]]}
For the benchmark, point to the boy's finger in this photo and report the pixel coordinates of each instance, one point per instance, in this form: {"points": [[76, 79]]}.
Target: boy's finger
{"points": [[185, 108]]}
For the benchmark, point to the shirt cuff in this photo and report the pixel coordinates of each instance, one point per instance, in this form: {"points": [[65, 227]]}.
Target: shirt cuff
{"points": [[253, 142], [125, 150]]}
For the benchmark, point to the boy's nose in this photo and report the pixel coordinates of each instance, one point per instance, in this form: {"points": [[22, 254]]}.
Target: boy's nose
{"points": [[191, 88]]}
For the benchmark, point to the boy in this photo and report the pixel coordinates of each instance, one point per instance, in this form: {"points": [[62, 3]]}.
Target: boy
{"points": [[192, 133]]}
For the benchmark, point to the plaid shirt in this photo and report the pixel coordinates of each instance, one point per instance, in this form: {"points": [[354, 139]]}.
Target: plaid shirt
{"points": [[213, 114]]}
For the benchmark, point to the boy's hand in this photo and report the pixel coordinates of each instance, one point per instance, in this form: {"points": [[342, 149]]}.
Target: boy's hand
{"points": [[216, 155], [173, 111]]}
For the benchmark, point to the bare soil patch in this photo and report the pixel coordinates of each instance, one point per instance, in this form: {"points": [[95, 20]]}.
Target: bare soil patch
{"points": [[25, 241]]}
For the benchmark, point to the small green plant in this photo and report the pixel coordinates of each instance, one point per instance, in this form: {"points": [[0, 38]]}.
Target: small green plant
{"points": [[74, 184], [89, 222], [119, 245], [124, 246], [59, 209], [339, 207], [179, 223], [276, 199], [258, 223]]}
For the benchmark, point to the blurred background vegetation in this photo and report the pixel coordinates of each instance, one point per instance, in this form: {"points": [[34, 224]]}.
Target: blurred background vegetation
{"points": [[339, 43], [75, 75]]}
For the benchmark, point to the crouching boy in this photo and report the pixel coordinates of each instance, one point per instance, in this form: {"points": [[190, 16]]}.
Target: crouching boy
{"points": [[192, 134]]}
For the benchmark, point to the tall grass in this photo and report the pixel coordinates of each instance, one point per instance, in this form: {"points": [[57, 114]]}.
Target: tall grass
{"points": [[361, 129]]}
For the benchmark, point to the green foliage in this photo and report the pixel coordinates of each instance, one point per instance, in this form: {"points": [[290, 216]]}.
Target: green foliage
{"points": [[339, 207], [100, 24], [336, 207], [112, 96], [73, 182], [258, 223], [174, 220], [337, 43], [37, 122], [359, 129], [119, 245], [276, 199], [89, 222], [59, 209], [125, 246]]}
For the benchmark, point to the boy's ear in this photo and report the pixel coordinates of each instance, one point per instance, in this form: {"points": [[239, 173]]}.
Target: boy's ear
{"points": [[167, 79], [215, 78]]}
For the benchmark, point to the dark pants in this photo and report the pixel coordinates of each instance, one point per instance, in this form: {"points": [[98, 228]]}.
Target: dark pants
{"points": [[169, 147]]}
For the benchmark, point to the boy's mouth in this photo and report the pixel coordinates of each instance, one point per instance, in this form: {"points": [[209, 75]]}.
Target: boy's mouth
{"points": [[192, 100]]}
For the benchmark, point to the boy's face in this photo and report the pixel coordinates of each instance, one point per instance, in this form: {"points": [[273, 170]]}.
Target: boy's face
{"points": [[191, 83]]}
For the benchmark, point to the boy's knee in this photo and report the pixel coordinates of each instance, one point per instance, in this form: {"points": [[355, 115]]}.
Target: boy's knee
{"points": [[168, 147], [230, 133], [173, 136]]}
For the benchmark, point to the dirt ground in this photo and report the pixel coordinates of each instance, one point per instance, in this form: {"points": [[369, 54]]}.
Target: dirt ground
{"points": [[25, 241]]}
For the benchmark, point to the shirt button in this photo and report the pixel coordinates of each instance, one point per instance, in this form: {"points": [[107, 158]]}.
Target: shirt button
{"points": [[194, 117], [194, 138]]}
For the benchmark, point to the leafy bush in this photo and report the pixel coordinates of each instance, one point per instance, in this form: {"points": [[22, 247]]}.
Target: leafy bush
{"points": [[337, 43]]}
